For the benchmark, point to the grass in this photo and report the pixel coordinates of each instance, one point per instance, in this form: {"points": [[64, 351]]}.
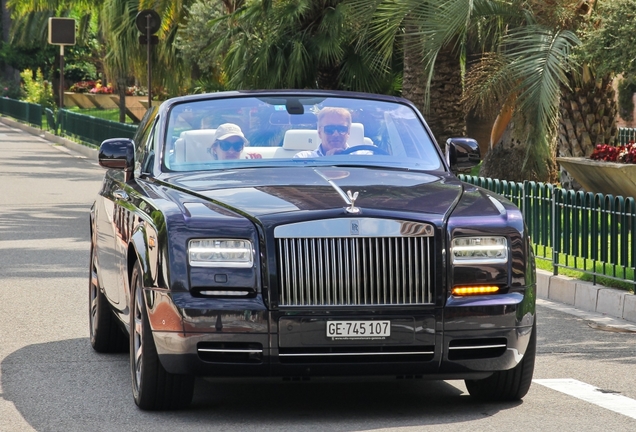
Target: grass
{"points": [[546, 264], [108, 114]]}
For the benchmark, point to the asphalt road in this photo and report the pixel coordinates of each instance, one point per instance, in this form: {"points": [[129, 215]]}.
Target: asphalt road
{"points": [[51, 379]]}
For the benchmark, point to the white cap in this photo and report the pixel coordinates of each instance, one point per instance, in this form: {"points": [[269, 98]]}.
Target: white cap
{"points": [[227, 130]]}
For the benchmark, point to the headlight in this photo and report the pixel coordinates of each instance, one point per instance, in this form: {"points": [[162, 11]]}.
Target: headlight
{"points": [[220, 253], [479, 250]]}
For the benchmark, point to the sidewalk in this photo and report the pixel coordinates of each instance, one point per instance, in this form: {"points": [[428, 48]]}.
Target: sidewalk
{"points": [[605, 306]]}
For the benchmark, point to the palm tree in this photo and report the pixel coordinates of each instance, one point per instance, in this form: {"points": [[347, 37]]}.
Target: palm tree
{"points": [[586, 109], [588, 112], [10, 74], [296, 44], [524, 64], [400, 28], [124, 58], [29, 27]]}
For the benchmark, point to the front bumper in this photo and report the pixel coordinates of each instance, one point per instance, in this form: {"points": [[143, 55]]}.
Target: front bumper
{"points": [[466, 339]]}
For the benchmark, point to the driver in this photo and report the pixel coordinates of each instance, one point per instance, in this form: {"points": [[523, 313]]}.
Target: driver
{"points": [[334, 126]]}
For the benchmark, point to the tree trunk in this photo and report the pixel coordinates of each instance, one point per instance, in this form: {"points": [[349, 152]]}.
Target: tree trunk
{"points": [[511, 159], [327, 77], [414, 75], [121, 91], [588, 118], [445, 115], [479, 127], [10, 74]]}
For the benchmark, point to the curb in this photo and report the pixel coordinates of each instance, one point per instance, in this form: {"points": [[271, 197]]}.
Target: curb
{"points": [[586, 296], [85, 150]]}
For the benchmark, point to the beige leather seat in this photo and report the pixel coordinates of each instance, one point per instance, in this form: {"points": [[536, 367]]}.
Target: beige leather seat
{"points": [[294, 141], [356, 135], [194, 146]]}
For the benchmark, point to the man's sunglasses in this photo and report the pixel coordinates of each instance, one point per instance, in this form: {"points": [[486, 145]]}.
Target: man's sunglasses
{"points": [[332, 129], [234, 145]]}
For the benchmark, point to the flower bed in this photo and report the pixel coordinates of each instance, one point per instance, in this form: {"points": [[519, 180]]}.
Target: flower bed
{"points": [[606, 177], [100, 89], [82, 86], [96, 87], [622, 154]]}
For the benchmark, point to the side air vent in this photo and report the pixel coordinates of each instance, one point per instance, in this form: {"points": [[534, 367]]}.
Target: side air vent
{"points": [[230, 352], [471, 349]]}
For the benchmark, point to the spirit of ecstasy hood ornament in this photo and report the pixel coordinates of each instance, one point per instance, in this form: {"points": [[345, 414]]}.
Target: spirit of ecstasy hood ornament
{"points": [[352, 197]]}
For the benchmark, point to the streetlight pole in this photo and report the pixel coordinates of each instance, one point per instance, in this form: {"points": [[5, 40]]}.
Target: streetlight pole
{"points": [[148, 23], [61, 76], [148, 45]]}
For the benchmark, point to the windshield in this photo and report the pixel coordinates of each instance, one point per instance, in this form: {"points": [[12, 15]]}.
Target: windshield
{"points": [[248, 131]]}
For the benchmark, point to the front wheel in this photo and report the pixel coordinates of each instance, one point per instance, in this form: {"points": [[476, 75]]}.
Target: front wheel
{"points": [[509, 385], [153, 387]]}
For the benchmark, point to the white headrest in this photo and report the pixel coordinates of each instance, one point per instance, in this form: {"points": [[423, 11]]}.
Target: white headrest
{"points": [[199, 136], [196, 144], [356, 134], [301, 139]]}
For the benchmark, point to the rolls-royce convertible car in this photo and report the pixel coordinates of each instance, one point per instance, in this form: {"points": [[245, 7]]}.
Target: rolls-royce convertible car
{"points": [[305, 233]]}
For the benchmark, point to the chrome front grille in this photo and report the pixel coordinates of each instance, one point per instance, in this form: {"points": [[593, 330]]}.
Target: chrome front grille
{"points": [[356, 271]]}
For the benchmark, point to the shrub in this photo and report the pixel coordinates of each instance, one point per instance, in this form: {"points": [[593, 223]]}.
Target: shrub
{"points": [[37, 89], [626, 90], [11, 90]]}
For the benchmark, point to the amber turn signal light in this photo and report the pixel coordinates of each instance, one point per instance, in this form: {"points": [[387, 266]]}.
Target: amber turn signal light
{"points": [[474, 290]]}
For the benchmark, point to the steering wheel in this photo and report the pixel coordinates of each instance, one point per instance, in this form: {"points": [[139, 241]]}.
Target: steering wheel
{"points": [[371, 148]]}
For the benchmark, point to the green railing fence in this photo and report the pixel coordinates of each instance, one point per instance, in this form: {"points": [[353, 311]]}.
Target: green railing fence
{"points": [[86, 128], [27, 112], [626, 135], [584, 231], [92, 129]]}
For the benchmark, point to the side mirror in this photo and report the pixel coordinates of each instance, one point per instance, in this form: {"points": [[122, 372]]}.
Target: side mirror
{"points": [[119, 154], [462, 154]]}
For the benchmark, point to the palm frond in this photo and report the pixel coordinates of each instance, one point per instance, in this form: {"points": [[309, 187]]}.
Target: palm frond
{"points": [[541, 59], [488, 83]]}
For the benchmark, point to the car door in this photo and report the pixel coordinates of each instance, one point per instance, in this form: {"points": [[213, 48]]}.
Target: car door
{"points": [[128, 197], [115, 211], [108, 217]]}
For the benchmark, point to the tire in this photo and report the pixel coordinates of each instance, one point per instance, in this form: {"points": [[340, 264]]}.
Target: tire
{"points": [[153, 387], [105, 334], [509, 385]]}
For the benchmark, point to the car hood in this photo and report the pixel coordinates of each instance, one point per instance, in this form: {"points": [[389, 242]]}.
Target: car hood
{"points": [[266, 191]]}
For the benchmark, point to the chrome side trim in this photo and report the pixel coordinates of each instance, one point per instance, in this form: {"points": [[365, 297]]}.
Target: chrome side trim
{"points": [[477, 347], [230, 350], [224, 293], [354, 354]]}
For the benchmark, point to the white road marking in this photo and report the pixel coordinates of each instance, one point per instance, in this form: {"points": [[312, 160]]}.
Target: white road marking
{"points": [[587, 392]]}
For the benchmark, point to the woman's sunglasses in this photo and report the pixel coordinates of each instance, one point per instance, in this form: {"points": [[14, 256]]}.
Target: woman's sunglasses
{"points": [[332, 129], [234, 145]]}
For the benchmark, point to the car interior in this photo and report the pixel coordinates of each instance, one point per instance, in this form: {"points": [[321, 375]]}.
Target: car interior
{"points": [[193, 146]]}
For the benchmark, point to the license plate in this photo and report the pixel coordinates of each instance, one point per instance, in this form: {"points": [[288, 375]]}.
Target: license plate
{"points": [[359, 329]]}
